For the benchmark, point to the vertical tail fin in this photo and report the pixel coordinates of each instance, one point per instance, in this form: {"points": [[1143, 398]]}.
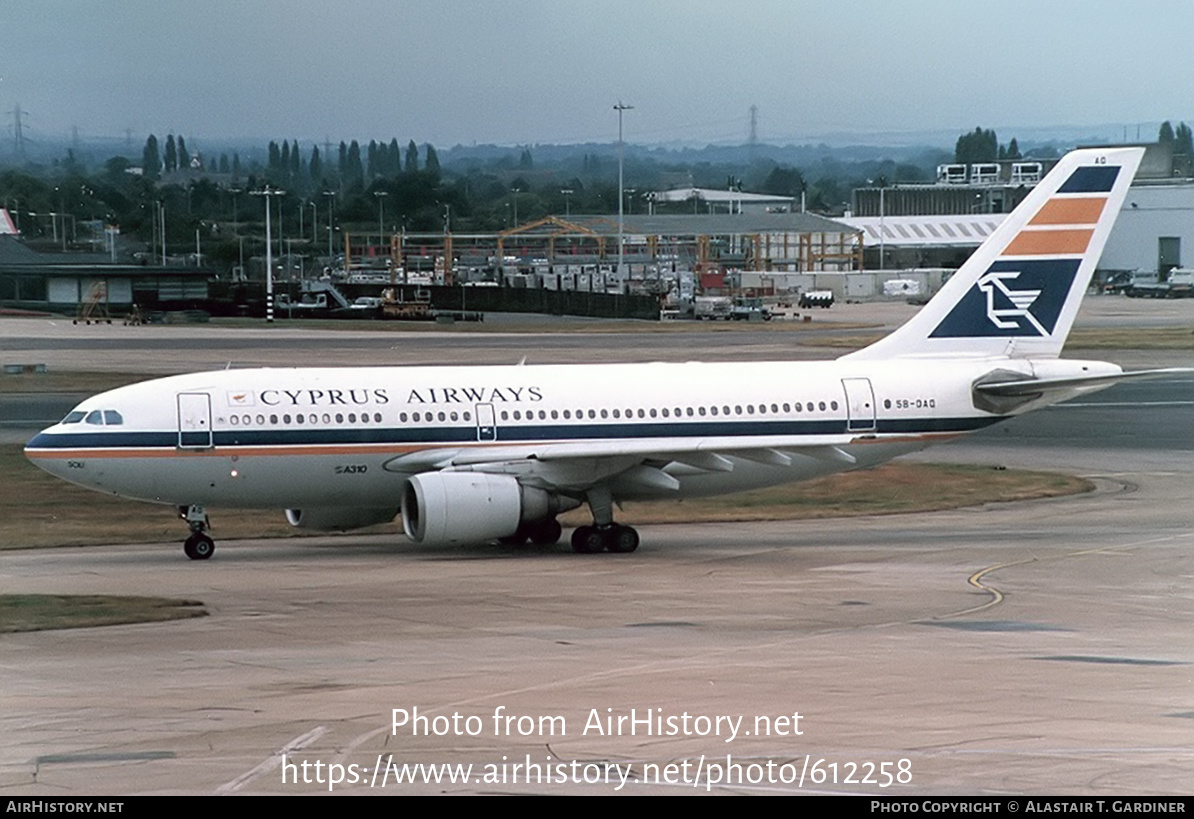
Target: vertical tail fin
{"points": [[1018, 293]]}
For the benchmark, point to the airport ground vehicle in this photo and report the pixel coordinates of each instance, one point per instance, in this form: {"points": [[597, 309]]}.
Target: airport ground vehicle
{"points": [[1177, 284], [750, 309], [712, 307], [815, 298]]}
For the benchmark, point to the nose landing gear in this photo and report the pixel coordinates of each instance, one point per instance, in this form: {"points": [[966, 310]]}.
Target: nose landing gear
{"points": [[198, 546]]}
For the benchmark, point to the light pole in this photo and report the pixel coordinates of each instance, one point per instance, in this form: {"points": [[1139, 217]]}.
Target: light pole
{"points": [[267, 192], [236, 192], [567, 192], [621, 251], [882, 236], [235, 224], [381, 210], [331, 195], [281, 226]]}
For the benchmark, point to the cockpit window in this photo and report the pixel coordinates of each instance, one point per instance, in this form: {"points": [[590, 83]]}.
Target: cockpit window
{"points": [[97, 418]]}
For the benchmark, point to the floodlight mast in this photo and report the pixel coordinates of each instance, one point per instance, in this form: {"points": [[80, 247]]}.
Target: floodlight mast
{"points": [[267, 192], [621, 251]]}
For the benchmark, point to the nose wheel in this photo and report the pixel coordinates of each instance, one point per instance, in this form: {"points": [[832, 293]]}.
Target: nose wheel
{"points": [[198, 546]]}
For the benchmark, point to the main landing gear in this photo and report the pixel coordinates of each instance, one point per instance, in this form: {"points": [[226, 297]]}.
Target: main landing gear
{"points": [[198, 546], [604, 535], [589, 540]]}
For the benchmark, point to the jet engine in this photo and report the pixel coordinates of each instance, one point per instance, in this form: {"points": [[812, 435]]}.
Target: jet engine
{"points": [[339, 519], [472, 507]]}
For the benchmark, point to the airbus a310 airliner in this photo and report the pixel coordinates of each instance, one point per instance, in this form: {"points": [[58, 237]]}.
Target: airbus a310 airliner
{"points": [[470, 454]]}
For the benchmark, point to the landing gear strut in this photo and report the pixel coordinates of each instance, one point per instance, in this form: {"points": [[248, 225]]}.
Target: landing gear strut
{"points": [[198, 546], [604, 535]]}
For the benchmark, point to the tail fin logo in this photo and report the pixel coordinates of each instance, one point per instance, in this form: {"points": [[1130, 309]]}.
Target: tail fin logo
{"points": [[1020, 298], [1022, 301]]}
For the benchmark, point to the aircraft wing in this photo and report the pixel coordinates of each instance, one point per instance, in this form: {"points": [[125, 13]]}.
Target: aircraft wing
{"points": [[576, 465]]}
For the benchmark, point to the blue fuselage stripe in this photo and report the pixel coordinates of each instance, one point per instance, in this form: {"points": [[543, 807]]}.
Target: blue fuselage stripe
{"points": [[508, 434]]}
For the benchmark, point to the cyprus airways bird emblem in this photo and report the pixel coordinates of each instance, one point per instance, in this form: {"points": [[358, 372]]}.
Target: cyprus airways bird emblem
{"points": [[1021, 300]]}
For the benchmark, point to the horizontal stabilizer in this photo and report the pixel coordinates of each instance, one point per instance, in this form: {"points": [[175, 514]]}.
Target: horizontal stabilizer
{"points": [[1039, 386]]}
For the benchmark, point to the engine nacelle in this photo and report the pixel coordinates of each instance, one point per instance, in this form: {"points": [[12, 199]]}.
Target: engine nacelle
{"points": [[471, 507], [339, 519]]}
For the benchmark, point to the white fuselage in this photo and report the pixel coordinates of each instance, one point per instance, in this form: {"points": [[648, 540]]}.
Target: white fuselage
{"points": [[350, 437]]}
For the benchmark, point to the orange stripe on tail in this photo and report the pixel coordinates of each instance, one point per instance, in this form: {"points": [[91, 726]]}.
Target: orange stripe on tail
{"points": [[1049, 243], [1070, 212]]}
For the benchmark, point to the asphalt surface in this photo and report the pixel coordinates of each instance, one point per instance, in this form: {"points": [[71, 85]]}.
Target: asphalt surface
{"points": [[1029, 648]]}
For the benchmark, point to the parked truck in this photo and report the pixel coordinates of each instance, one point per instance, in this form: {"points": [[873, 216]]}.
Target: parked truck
{"points": [[1178, 284], [750, 309], [816, 298]]}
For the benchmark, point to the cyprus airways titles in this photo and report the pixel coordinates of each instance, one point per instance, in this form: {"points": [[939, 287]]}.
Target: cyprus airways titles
{"points": [[365, 395], [469, 454]]}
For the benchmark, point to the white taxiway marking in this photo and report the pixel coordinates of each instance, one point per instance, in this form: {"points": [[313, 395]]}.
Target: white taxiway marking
{"points": [[273, 761]]}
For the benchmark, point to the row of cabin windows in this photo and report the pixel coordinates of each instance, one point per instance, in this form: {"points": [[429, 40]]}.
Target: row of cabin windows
{"points": [[668, 412], [542, 415], [299, 418], [340, 418]]}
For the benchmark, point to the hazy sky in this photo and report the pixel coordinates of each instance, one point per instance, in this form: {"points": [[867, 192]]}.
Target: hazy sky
{"points": [[526, 71]]}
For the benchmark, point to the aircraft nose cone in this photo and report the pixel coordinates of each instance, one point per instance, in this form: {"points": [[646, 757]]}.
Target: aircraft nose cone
{"points": [[38, 450], [38, 441]]}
